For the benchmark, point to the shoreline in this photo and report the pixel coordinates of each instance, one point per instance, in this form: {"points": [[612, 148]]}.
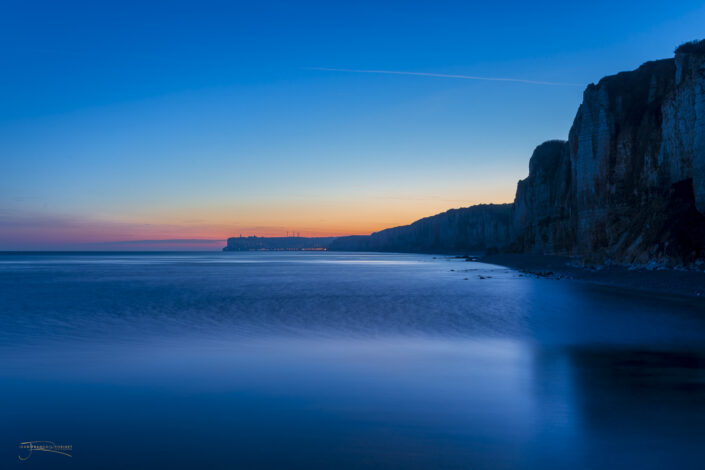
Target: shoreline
{"points": [[686, 283]]}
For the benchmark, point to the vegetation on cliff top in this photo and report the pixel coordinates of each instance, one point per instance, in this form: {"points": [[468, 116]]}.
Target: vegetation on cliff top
{"points": [[692, 47]]}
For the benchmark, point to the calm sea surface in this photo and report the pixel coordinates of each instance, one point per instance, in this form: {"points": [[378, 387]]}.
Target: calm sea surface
{"points": [[334, 361]]}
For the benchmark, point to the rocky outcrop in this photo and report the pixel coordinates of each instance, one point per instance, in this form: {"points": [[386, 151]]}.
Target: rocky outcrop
{"points": [[542, 220], [682, 150], [614, 146], [629, 186], [636, 147], [472, 229]]}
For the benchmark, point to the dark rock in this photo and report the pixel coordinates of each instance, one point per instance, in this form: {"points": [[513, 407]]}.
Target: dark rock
{"points": [[476, 228], [542, 207]]}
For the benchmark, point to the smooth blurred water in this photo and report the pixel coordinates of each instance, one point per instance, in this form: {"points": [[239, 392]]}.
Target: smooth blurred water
{"points": [[334, 360]]}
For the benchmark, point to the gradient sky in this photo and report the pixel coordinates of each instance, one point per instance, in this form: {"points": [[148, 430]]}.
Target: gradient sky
{"points": [[201, 120]]}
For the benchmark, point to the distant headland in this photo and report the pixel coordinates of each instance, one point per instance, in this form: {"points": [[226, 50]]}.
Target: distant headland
{"points": [[293, 243]]}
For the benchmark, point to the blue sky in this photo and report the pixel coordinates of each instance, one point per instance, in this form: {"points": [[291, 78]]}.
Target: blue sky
{"points": [[189, 120]]}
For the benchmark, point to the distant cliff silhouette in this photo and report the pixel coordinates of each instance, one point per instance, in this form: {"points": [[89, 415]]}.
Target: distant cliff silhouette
{"points": [[254, 243], [476, 228]]}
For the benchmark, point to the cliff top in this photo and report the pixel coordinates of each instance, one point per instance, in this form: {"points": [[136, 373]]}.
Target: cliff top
{"points": [[624, 82], [692, 47], [477, 209], [631, 92], [546, 156]]}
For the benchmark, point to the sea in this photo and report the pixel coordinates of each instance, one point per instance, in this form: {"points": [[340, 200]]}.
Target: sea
{"points": [[323, 360]]}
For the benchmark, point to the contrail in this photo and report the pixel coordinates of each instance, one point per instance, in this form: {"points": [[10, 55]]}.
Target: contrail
{"points": [[444, 75]]}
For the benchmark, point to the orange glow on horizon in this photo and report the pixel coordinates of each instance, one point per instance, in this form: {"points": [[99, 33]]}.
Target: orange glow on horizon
{"points": [[210, 224]]}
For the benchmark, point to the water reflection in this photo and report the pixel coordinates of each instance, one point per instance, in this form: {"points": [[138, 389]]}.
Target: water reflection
{"points": [[640, 408]]}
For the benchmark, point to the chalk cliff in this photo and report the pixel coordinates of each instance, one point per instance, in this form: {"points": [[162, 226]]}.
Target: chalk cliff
{"points": [[636, 149], [542, 220], [627, 187], [476, 228]]}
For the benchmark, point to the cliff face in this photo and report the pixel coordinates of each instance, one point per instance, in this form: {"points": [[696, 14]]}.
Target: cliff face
{"points": [[614, 145], [543, 204], [683, 129], [477, 228], [636, 153]]}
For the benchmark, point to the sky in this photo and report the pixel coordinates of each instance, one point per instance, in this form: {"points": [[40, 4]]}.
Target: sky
{"points": [[174, 125]]}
